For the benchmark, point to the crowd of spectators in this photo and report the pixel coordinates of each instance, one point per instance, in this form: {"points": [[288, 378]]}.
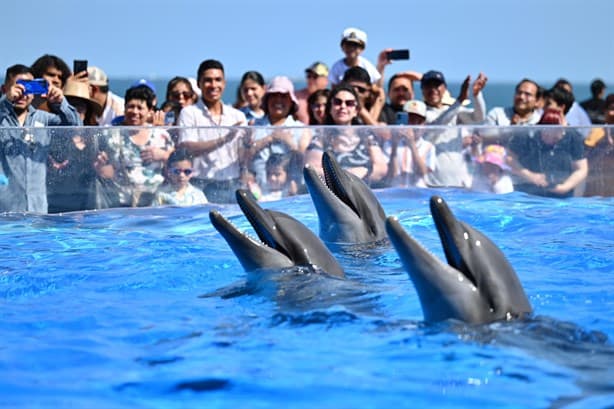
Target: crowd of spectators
{"points": [[192, 147]]}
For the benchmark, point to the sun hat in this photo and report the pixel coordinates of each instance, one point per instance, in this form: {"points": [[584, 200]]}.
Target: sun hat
{"points": [[281, 85], [494, 154], [318, 68], [415, 107], [97, 76], [80, 89], [354, 35]]}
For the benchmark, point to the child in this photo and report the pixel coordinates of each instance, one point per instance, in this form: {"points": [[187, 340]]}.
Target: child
{"points": [[178, 190], [491, 173], [411, 155], [353, 43], [279, 178]]}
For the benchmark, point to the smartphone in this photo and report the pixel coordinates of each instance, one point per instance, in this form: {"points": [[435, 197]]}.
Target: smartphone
{"points": [[78, 66], [402, 118], [37, 86], [398, 55]]}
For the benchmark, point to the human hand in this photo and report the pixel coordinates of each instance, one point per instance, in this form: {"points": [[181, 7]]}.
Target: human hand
{"points": [[55, 95], [151, 154], [81, 76], [382, 59], [464, 92], [15, 92], [538, 179], [411, 75], [158, 118], [479, 84]]}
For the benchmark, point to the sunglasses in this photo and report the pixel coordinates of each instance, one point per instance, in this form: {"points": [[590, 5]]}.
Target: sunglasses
{"points": [[177, 171], [350, 103], [179, 94]]}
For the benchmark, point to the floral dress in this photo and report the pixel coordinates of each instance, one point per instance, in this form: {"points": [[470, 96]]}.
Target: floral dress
{"points": [[134, 175]]}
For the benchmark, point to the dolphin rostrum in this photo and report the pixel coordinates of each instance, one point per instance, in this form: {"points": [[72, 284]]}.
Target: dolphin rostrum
{"points": [[284, 241], [348, 211], [477, 284]]}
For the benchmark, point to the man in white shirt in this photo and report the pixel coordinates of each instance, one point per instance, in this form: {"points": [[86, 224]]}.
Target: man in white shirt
{"points": [[451, 166], [218, 147]]}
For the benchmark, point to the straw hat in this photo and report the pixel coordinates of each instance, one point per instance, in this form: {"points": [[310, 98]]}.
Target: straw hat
{"points": [[80, 89]]}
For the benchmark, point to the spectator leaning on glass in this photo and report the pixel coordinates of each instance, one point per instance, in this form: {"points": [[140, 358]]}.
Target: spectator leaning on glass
{"points": [[24, 143]]}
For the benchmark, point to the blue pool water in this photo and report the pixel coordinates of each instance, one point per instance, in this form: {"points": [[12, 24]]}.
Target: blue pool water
{"points": [[105, 310]]}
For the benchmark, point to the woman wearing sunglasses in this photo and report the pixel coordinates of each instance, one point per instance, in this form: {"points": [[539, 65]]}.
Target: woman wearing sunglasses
{"points": [[178, 190], [356, 148]]}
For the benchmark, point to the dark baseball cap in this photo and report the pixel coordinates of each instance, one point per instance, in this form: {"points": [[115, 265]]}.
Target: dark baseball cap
{"points": [[433, 76]]}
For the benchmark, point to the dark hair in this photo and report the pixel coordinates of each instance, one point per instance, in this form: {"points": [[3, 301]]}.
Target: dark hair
{"points": [[530, 81], [342, 86], [562, 97], [177, 80], [277, 159], [178, 155], [14, 70], [249, 75], [39, 67], [597, 86], [311, 99], [141, 92], [208, 65], [609, 100], [357, 74], [562, 82], [254, 76]]}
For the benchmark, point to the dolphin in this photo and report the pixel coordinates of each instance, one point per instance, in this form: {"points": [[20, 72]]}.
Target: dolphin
{"points": [[348, 211], [285, 242], [477, 285]]}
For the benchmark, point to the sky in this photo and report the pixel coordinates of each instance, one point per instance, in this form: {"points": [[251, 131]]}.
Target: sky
{"points": [[506, 39]]}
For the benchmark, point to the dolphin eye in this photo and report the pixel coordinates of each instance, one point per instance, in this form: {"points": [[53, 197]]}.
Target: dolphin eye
{"points": [[478, 243]]}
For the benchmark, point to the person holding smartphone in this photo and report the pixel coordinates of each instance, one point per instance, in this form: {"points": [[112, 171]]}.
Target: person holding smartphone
{"points": [[24, 148]]}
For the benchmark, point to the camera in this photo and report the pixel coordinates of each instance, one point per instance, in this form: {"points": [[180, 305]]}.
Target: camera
{"points": [[37, 86]]}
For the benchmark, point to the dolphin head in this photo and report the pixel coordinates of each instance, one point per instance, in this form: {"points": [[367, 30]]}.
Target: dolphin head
{"points": [[284, 241], [476, 285], [348, 211]]}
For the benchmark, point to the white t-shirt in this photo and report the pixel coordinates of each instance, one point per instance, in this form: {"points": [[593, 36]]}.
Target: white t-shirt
{"points": [[222, 163], [335, 76]]}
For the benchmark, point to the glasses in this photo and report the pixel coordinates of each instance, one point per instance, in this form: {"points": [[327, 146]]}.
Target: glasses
{"points": [[179, 94], [350, 103], [177, 171]]}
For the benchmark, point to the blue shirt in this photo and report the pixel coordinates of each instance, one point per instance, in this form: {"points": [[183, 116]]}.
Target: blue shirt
{"points": [[23, 154]]}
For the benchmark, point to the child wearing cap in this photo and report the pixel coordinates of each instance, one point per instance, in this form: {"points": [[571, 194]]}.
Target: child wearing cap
{"points": [[411, 155], [492, 171], [353, 44]]}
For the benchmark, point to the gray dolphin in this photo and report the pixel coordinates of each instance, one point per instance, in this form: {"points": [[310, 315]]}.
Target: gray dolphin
{"points": [[348, 211], [477, 285], [285, 242]]}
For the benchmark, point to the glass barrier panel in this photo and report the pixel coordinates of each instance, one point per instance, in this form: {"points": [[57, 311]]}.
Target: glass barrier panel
{"points": [[60, 169]]}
